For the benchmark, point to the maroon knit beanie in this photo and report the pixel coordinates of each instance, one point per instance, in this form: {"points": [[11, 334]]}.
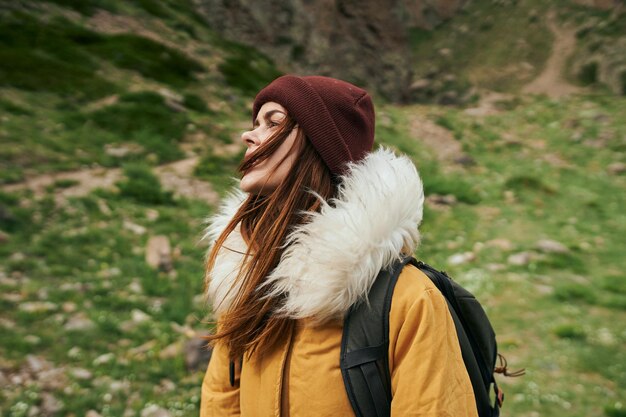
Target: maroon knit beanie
{"points": [[336, 116]]}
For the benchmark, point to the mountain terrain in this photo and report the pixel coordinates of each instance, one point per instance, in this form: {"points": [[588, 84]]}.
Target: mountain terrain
{"points": [[120, 126]]}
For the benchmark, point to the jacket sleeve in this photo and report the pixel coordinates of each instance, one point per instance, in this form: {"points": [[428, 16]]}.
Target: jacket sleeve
{"points": [[428, 376], [218, 397]]}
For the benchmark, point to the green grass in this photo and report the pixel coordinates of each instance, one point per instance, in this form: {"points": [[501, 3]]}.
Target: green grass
{"points": [[540, 172], [61, 57], [142, 186], [488, 54], [219, 170]]}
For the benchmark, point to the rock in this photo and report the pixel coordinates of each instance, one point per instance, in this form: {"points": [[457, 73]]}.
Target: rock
{"points": [[53, 379], [171, 351], [110, 272], [154, 410], [68, 307], [37, 364], [34, 411], [170, 95], [500, 243], [92, 413], [116, 151], [140, 350], [119, 386], [175, 106], [197, 354], [32, 339], [81, 373], [135, 228], [139, 316], [37, 307], [103, 359], [461, 258], [135, 287], [551, 246], [616, 168], [49, 404], [465, 160], [74, 353], [159, 253], [152, 214], [352, 40], [4, 237], [544, 289], [12, 297], [495, 267], [17, 257], [79, 322], [7, 323], [103, 207], [520, 259], [421, 85], [166, 385]]}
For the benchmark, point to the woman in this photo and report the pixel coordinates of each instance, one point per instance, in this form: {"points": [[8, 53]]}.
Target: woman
{"points": [[317, 216]]}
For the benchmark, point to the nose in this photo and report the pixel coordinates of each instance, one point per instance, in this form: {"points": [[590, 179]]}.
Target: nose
{"points": [[249, 138]]}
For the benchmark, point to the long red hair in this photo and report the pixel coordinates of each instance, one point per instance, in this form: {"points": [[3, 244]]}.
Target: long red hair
{"points": [[265, 221]]}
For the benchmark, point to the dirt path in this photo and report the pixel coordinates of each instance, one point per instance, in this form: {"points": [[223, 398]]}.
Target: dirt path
{"points": [[440, 140], [551, 82], [176, 176]]}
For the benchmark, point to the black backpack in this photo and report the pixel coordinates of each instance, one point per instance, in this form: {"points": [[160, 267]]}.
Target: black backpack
{"points": [[365, 343]]}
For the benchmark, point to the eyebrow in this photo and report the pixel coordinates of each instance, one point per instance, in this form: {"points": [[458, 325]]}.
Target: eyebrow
{"points": [[267, 116]]}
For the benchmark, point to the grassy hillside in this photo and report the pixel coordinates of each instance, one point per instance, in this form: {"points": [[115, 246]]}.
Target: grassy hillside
{"points": [[530, 216]]}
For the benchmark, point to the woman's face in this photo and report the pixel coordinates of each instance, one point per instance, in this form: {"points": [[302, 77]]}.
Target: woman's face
{"points": [[268, 174]]}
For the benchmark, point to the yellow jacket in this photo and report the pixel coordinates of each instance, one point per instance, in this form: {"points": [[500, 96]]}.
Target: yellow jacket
{"points": [[330, 265]]}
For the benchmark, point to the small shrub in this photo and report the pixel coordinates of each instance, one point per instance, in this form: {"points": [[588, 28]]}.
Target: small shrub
{"points": [[615, 410], [141, 185], [575, 292], [142, 97], [194, 102], [588, 73], [527, 182], [614, 283], [570, 331], [13, 217], [463, 191]]}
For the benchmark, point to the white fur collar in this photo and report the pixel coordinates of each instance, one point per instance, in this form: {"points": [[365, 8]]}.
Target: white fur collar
{"points": [[332, 261]]}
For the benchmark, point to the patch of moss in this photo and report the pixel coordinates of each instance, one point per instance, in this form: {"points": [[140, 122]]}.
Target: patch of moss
{"points": [[142, 186]]}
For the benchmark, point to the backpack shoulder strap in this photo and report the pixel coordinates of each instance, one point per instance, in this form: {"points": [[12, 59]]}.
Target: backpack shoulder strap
{"points": [[364, 357]]}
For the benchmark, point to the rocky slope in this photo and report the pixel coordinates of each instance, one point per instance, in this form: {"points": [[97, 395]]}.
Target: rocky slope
{"points": [[362, 41]]}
